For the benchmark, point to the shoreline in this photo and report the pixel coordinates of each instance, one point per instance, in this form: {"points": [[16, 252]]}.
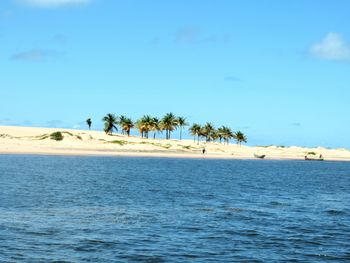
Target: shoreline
{"points": [[179, 155], [156, 155], [16, 140]]}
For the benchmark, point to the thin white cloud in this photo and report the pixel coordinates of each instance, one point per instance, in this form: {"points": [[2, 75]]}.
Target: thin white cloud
{"points": [[34, 55], [59, 39], [6, 14], [54, 123], [187, 35], [331, 47], [231, 78], [193, 35], [53, 3]]}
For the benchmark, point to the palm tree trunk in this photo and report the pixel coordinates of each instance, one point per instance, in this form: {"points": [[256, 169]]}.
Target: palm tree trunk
{"points": [[181, 133]]}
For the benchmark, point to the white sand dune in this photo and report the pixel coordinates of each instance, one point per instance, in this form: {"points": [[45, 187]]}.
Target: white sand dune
{"points": [[30, 140]]}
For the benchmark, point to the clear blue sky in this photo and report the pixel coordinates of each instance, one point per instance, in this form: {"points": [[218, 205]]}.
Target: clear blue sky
{"points": [[277, 70]]}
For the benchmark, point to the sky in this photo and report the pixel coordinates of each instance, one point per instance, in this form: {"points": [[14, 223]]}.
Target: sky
{"points": [[279, 71]]}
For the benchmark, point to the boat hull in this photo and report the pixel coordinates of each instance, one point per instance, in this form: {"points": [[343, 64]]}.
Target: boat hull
{"points": [[259, 156], [313, 159]]}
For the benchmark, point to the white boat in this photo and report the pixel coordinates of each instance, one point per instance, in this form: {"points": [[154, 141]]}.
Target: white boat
{"points": [[313, 157]]}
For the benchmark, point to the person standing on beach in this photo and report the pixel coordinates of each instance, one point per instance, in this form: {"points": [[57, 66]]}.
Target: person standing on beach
{"points": [[203, 150], [89, 122]]}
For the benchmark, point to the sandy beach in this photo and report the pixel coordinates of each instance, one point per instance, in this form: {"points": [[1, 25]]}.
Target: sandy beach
{"points": [[33, 140]]}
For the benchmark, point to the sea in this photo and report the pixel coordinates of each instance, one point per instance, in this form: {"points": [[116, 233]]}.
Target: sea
{"points": [[124, 209]]}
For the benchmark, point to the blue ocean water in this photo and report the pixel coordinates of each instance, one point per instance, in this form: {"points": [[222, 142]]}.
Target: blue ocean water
{"points": [[105, 209]]}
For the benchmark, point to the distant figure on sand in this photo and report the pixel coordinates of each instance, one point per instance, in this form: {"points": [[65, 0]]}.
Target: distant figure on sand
{"points": [[203, 151]]}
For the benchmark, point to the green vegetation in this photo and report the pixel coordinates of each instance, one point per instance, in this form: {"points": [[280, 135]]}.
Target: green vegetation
{"points": [[144, 125], [181, 122], [195, 130], [69, 133], [43, 137], [166, 146], [110, 121], [9, 136], [169, 123], [155, 126], [240, 137], [126, 124], [57, 136], [209, 132], [120, 142]]}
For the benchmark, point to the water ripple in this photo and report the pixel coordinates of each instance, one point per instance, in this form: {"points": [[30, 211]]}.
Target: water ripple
{"points": [[88, 209]]}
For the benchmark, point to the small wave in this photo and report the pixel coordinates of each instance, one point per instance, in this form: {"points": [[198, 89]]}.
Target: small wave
{"points": [[99, 243], [234, 209], [276, 203], [142, 258], [95, 241], [325, 257], [313, 242], [206, 209], [192, 256], [85, 249], [191, 228], [250, 233], [49, 232], [335, 212]]}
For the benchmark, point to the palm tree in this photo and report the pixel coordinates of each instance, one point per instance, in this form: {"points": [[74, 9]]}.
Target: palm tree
{"points": [[208, 131], [144, 125], [140, 127], [126, 124], [220, 133], [228, 134], [89, 122], [181, 122], [195, 130], [225, 133], [120, 120], [110, 123], [155, 126], [240, 137], [169, 123]]}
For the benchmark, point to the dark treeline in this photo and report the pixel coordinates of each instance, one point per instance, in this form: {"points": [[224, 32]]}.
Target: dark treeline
{"points": [[149, 126]]}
